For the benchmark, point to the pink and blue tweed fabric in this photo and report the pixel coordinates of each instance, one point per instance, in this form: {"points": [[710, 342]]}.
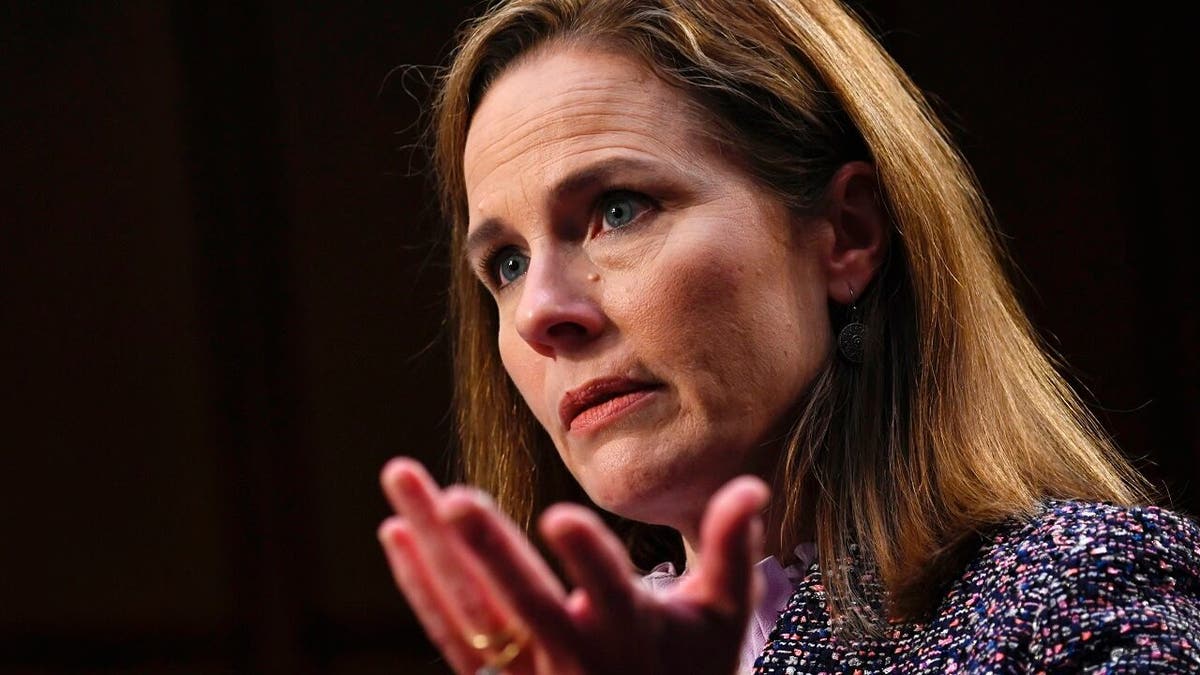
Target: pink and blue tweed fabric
{"points": [[1080, 588]]}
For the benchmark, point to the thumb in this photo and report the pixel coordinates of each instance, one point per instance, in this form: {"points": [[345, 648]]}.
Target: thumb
{"points": [[731, 543]]}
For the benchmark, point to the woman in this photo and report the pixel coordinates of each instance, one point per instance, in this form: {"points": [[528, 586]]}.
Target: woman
{"points": [[705, 247]]}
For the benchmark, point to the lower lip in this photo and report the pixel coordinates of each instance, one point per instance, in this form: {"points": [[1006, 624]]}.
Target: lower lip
{"points": [[599, 415]]}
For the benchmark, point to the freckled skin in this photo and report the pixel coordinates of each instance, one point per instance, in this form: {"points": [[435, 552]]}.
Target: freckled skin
{"points": [[718, 292]]}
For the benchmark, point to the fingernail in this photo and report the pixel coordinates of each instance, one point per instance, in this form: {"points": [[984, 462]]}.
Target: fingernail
{"points": [[388, 528], [485, 500], [456, 509]]}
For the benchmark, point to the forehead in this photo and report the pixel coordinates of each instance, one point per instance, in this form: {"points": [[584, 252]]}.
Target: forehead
{"points": [[565, 106]]}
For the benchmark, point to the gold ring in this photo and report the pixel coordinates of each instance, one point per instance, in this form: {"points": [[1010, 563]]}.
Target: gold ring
{"points": [[508, 647], [484, 641]]}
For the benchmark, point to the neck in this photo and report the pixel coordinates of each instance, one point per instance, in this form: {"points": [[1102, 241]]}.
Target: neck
{"points": [[778, 539], [773, 542]]}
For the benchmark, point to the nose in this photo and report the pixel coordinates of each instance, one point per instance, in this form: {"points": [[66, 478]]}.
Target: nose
{"points": [[558, 310]]}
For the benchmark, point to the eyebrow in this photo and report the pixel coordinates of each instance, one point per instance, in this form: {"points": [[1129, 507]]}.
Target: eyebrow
{"points": [[584, 178]]}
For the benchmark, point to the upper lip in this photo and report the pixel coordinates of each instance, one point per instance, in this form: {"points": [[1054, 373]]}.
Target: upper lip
{"points": [[596, 391]]}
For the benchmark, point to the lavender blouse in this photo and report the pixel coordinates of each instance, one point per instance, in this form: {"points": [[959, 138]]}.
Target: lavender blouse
{"points": [[779, 585]]}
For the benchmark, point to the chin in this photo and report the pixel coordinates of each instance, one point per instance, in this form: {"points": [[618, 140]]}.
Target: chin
{"points": [[646, 481], [619, 492]]}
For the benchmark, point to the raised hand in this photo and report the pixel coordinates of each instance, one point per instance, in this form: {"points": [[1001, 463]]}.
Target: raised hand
{"points": [[491, 604]]}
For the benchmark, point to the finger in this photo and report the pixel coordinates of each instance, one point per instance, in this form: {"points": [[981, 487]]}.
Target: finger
{"points": [[460, 591], [515, 569], [594, 558], [401, 474], [413, 577], [731, 540]]}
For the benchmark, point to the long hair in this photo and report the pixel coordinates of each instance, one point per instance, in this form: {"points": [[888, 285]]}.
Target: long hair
{"points": [[956, 420]]}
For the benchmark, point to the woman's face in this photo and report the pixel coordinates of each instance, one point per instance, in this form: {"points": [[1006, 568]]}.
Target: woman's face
{"points": [[659, 312]]}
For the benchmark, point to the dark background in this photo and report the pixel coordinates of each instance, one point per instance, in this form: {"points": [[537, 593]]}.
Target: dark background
{"points": [[222, 311]]}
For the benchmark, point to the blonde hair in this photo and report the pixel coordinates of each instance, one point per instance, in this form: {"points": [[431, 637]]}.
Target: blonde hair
{"points": [[957, 419]]}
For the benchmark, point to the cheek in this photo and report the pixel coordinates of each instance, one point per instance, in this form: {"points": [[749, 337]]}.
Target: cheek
{"points": [[746, 337], [526, 369]]}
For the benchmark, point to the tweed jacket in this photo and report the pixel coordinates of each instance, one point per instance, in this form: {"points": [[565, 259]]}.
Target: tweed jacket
{"points": [[1080, 588]]}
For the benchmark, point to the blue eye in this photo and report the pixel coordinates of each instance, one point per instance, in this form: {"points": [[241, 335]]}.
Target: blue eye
{"points": [[510, 264], [620, 210]]}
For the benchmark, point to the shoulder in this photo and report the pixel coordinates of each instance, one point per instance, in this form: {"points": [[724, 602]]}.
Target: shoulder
{"points": [[1066, 524], [1069, 553], [1103, 585], [1092, 540], [1091, 550], [1077, 543]]}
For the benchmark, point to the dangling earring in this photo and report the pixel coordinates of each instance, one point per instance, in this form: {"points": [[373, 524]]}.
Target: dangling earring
{"points": [[850, 338]]}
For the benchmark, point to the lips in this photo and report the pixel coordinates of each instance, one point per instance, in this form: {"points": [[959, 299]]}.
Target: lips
{"points": [[600, 399]]}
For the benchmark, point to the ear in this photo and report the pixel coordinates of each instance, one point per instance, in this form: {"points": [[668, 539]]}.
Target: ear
{"points": [[861, 230]]}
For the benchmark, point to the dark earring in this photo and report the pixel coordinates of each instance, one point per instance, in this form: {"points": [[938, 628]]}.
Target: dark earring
{"points": [[850, 338]]}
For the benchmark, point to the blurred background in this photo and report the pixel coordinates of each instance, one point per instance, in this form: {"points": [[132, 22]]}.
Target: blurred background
{"points": [[221, 298]]}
